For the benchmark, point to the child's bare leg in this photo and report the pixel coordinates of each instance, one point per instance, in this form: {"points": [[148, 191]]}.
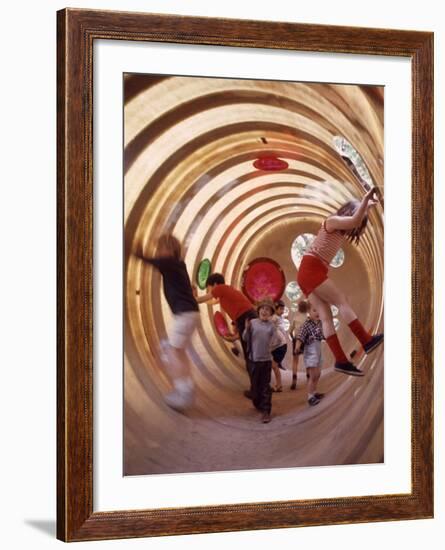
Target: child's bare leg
{"points": [[314, 377], [177, 365], [324, 310], [329, 293], [277, 373], [179, 372], [183, 368], [295, 359]]}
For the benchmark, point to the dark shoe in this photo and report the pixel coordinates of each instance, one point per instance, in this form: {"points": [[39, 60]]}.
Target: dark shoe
{"points": [[248, 394], [319, 395], [265, 418], [348, 368], [314, 400], [373, 343], [294, 385]]}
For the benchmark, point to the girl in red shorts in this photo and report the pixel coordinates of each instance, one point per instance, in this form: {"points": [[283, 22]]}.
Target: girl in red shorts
{"points": [[348, 223]]}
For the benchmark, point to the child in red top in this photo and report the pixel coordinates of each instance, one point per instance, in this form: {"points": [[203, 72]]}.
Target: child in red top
{"points": [[348, 223], [235, 304]]}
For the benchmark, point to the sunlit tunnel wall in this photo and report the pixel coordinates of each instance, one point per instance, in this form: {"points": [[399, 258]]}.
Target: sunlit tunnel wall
{"points": [[190, 144]]}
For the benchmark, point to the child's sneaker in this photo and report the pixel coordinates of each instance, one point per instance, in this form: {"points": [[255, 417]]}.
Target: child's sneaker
{"points": [[314, 400], [265, 418], [375, 341], [348, 368]]}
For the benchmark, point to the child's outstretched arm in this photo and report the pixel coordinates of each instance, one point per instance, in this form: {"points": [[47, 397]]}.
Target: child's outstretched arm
{"points": [[350, 222], [205, 298], [140, 255]]}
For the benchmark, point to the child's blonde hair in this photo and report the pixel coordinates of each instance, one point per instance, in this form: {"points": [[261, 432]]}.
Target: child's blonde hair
{"points": [[172, 244]]}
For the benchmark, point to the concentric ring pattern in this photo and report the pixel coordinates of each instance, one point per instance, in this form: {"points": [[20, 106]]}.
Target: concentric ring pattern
{"points": [[190, 144]]}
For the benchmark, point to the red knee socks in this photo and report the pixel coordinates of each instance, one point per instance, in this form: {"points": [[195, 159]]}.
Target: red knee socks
{"points": [[335, 347], [361, 334]]}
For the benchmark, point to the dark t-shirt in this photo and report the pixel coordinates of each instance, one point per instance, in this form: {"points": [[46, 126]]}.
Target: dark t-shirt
{"points": [[177, 287]]}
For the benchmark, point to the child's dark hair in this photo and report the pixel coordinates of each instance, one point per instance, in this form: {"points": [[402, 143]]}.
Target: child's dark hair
{"points": [[348, 209], [215, 279], [304, 306], [171, 243]]}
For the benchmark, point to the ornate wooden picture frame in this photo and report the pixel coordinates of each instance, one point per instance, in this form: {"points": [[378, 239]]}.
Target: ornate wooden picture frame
{"points": [[77, 31]]}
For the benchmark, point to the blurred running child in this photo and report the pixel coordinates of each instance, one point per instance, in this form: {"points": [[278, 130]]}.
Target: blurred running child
{"points": [[179, 295]]}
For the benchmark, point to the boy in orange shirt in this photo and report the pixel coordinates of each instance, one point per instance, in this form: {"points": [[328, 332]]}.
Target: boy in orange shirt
{"points": [[235, 304]]}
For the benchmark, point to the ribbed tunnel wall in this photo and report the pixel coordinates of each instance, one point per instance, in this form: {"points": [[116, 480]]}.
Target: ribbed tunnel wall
{"points": [[190, 144]]}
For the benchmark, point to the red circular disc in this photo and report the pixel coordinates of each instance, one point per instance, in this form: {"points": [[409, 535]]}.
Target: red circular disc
{"points": [[270, 164], [221, 324], [263, 279]]}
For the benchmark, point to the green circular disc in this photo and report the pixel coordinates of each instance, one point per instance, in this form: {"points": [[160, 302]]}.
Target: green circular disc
{"points": [[203, 273]]}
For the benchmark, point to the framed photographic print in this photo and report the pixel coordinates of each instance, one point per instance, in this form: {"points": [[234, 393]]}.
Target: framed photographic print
{"points": [[244, 211]]}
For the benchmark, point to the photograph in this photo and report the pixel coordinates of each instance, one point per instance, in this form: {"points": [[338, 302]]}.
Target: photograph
{"points": [[227, 273], [253, 284], [223, 283]]}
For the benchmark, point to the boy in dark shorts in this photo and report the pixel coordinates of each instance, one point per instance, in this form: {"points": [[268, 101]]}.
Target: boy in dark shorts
{"points": [[279, 346]]}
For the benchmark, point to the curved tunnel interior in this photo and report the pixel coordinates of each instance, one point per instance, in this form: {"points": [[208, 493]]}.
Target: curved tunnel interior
{"points": [[190, 148]]}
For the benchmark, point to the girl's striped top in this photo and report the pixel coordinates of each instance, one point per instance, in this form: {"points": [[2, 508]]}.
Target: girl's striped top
{"points": [[326, 244]]}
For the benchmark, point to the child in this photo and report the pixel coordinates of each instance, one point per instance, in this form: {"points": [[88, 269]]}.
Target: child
{"points": [[259, 334], [179, 295], [279, 347], [309, 338], [235, 304], [348, 223], [296, 352]]}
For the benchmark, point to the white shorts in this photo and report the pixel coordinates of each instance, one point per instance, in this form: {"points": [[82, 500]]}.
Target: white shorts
{"points": [[312, 355], [183, 327]]}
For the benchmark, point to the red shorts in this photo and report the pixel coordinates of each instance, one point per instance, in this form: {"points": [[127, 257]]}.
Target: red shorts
{"points": [[311, 274]]}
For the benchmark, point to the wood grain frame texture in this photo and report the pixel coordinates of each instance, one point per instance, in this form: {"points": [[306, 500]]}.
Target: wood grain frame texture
{"points": [[76, 32]]}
